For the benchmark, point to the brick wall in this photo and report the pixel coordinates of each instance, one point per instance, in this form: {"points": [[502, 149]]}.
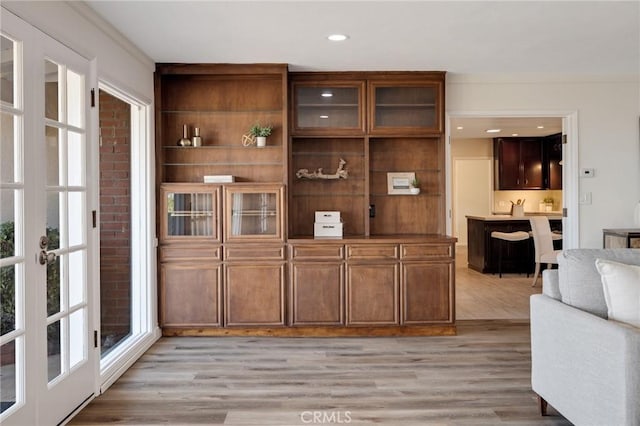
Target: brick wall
{"points": [[115, 219]]}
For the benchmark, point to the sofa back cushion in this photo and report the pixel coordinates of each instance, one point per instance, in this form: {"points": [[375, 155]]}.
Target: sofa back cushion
{"points": [[581, 284], [621, 285]]}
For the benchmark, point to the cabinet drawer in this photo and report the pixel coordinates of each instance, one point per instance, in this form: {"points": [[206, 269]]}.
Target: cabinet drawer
{"points": [[189, 252], [320, 252], [254, 252], [424, 251], [372, 251]]}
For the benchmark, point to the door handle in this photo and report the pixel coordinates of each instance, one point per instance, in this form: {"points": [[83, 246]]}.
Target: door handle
{"points": [[46, 258]]}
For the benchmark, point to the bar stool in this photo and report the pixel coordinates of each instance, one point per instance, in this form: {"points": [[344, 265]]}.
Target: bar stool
{"points": [[507, 237]]}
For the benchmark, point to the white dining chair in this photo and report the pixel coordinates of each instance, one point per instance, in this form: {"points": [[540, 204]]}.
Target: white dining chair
{"points": [[543, 244]]}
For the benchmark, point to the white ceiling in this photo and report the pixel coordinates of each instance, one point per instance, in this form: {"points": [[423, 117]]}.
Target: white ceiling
{"points": [[562, 37], [476, 127], [452, 36]]}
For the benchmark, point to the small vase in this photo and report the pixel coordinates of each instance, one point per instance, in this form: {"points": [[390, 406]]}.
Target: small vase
{"points": [[261, 141], [414, 191]]}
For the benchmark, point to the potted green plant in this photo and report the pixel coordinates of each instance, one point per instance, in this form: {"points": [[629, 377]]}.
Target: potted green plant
{"points": [[415, 186], [260, 133]]}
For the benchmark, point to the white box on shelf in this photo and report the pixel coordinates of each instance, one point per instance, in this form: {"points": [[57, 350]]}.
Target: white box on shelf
{"points": [[327, 230], [328, 217], [219, 179]]}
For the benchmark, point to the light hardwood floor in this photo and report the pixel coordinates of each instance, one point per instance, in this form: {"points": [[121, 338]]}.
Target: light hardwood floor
{"points": [[479, 377], [486, 296]]}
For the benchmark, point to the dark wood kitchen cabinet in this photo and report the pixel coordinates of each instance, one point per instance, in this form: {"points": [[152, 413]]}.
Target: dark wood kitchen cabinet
{"points": [[552, 148], [519, 162]]}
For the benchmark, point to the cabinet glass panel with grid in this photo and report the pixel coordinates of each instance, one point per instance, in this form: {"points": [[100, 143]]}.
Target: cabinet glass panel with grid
{"points": [[253, 212], [189, 210]]}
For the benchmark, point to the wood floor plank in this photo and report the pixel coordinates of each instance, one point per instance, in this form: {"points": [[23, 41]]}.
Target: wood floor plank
{"points": [[487, 296], [479, 377]]}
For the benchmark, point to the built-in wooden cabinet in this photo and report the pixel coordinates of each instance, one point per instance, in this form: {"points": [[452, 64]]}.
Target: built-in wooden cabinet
{"points": [[400, 130], [388, 282], [190, 255], [239, 257], [223, 101]]}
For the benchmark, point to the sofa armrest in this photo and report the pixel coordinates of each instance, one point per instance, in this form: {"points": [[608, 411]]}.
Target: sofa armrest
{"points": [[586, 367], [551, 283]]}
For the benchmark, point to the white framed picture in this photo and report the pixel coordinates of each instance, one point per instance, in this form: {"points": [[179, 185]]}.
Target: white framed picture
{"points": [[399, 182]]}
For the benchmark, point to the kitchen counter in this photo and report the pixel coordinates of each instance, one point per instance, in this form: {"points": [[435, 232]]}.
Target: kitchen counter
{"points": [[501, 217], [483, 251]]}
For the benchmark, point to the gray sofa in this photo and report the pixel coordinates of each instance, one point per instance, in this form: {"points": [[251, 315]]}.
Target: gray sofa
{"points": [[583, 365]]}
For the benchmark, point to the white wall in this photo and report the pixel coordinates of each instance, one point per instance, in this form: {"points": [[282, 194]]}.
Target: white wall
{"points": [[608, 109], [75, 25]]}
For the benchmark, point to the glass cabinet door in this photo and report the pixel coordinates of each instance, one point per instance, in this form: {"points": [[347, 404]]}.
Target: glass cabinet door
{"points": [[318, 108], [190, 211], [407, 107], [253, 211]]}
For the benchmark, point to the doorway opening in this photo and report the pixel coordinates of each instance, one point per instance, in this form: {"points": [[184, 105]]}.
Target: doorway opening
{"points": [[473, 190], [128, 315]]}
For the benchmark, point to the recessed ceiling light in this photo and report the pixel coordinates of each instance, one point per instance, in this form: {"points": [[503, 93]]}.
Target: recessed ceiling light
{"points": [[540, 127], [493, 130], [327, 94], [338, 37], [514, 134], [459, 128], [324, 116]]}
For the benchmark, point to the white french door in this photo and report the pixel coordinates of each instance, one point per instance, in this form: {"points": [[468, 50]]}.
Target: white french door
{"points": [[45, 200]]}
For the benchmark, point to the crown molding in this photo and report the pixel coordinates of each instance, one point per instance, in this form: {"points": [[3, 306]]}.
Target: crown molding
{"points": [[94, 18]]}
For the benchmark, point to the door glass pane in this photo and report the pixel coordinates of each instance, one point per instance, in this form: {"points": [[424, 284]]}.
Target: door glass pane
{"points": [[7, 223], [76, 277], [51, 90], [75, 157], [54, 359], [52, 138], [75, 101], [7, 70], [7, 147], [76, 218], [8, 300], [254, 214], [53, 220], [8, 383], [54, 277], [77, 337]]}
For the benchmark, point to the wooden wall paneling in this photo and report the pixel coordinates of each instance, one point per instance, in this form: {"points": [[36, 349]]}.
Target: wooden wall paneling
{"points": [[344, 195], [405, 214]]}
